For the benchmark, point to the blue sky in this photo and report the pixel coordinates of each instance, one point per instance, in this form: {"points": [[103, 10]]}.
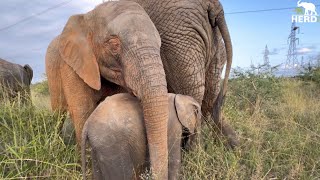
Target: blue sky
{"points": [[250, 32], [26, 42]]}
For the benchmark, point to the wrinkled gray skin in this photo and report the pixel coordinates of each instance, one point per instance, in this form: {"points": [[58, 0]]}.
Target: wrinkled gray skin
{"points": [[195, 46], [15, 79], [116, 133]]}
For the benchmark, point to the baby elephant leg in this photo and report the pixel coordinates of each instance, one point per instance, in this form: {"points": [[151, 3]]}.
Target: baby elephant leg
{"points": [[96, 172], [174, 158]]}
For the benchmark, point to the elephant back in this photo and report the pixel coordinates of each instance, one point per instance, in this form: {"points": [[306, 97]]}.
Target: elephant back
{"points": [[14, 78], [10, 74], [120, 117]]}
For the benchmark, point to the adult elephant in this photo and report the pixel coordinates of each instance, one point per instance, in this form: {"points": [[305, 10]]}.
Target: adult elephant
{"points": [[113, 48], [193, 52], [15, 79]]}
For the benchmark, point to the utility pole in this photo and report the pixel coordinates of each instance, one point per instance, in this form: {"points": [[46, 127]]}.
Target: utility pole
{"points": [[292, 54]]}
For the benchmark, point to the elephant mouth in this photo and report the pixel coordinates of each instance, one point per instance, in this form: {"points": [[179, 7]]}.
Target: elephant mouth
{"points": [[116, 70]]}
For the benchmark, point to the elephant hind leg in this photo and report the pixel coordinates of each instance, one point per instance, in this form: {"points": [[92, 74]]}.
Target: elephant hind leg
{"points": [[218, 122], [210, 100], [224, 128]]}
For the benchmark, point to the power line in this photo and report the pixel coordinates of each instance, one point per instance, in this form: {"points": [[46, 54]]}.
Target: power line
{"points": [[261, 10], [34, 15], [66, 2]]}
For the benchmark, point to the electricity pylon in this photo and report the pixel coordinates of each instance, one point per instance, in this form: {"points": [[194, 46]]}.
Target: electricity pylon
{"points": [[292, 59]]}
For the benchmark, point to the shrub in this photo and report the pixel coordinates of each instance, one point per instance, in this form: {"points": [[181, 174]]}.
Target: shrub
{"points": [[41, 88], [311, 74], [252, 88]]}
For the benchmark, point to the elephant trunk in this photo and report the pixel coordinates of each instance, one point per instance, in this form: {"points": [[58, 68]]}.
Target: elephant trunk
{"points": [[299, 3], [146, 79]]}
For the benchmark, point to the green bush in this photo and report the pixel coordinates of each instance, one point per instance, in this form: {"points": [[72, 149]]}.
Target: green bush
{"points": [[41, 88], [252, 88], [311, 74]]}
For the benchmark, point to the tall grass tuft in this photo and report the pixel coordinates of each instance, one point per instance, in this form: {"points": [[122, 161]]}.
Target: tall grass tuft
{"points": [[31, 146]]}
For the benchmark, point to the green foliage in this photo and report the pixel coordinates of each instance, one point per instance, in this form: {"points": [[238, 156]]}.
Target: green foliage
{"points": [[311, 74], [41, 88], [253, 88]]}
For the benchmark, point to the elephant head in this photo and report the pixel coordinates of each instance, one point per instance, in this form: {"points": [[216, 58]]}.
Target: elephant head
{"points": [[117, 41], [29, 72], [188, 111]]}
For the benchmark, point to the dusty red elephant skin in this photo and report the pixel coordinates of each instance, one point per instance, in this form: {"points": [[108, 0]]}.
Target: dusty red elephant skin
{"points": [[118, 42]]}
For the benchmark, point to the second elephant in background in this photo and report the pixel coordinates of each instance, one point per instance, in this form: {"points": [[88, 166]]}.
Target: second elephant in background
{"points": [[117, 135], [15, 81]]}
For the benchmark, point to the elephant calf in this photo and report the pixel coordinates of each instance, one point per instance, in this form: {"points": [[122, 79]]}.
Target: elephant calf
{"points": [[117, 135]]}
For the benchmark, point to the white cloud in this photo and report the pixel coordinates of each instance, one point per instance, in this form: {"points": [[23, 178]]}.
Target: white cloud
{"points": [[304, 50]]}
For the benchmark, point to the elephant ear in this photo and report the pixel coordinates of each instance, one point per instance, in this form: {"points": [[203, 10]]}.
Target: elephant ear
{"points": [[188, 111], [76, 50], [29, 71]]}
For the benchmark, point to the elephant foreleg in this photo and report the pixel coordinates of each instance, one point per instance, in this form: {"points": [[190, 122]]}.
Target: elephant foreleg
{"points": [[81, 99]]}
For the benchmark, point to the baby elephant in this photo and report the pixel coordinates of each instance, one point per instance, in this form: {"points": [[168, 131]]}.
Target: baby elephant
{"points": [[117, 135]]}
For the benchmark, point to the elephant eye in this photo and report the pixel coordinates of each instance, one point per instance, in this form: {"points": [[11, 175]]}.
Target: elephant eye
{"points": [[113, 45]]}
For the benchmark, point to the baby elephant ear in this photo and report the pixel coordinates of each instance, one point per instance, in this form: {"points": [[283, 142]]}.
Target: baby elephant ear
{"points": [[75, 47], [188, 112]]}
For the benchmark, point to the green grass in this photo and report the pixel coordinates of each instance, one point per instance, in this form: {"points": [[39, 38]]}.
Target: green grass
{"points": [[281, 141], [279, 131], [31, 146]]}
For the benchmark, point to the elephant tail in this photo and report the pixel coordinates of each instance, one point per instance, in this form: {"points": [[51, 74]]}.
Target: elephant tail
{"points": [[83, 149], [216, 17]]}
